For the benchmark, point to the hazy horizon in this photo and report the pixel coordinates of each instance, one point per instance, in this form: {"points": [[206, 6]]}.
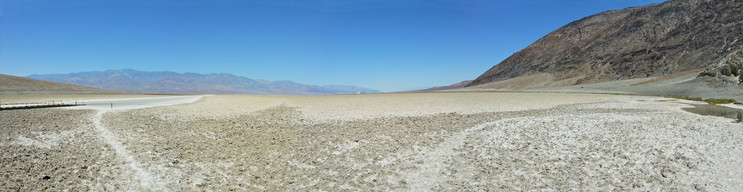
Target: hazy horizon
{"points": [[384, 45]]}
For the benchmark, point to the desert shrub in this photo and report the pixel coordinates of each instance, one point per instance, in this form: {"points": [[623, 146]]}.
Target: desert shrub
{"points": [[713, 101], [684, 97]]}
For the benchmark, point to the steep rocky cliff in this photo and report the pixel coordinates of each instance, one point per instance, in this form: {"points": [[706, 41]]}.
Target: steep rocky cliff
{"points": [[637, 42]]}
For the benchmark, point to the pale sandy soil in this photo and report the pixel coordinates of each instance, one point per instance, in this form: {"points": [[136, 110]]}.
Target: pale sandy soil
{"points": [[384, 142]]}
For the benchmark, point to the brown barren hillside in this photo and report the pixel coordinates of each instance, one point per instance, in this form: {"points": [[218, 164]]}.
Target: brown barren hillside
{"points": [[446, 87], [20, 85], [638, 42]]}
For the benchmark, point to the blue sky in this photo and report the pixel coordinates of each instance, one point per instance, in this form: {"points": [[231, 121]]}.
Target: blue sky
{"points": [[390, 45]]}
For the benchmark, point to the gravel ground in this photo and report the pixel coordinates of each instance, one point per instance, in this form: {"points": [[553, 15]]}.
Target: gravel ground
{"points": [[398, 142], [56, 150]]}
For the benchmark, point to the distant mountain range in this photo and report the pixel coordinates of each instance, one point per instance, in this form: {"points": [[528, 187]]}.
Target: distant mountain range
{"points": [[19, 85], [166, 82]]}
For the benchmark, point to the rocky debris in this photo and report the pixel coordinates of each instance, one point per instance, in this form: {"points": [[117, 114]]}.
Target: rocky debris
{"points": [[653, 40], [727, 71]]}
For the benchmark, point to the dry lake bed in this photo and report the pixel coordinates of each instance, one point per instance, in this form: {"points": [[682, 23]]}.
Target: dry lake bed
{"points": [[463, 141]]}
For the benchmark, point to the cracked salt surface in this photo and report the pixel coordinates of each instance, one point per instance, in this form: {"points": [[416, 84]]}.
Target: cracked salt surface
{"points": [[247, 143]]}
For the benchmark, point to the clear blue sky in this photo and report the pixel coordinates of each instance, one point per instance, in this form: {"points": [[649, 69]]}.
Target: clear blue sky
{"points": [[390, 45]]}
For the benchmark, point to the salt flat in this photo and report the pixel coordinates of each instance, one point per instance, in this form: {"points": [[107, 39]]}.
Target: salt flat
{"points": [[349, 107], [42, 98], [399, 142], [135, 103]]}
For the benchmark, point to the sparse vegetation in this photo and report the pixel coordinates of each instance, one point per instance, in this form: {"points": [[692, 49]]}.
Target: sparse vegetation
{"points": [[685, 97], [711, 101], [630, 94]]}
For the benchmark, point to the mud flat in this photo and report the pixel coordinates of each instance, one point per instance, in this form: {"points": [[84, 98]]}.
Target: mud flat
{"points": [[399, 142]]}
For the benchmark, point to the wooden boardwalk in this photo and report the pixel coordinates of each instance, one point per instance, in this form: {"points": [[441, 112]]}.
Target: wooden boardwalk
{"points": [[39, 105]]}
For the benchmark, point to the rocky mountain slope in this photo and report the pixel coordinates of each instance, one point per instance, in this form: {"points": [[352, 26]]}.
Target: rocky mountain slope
{"points": [[19, 85], [446, 87], [638, 42], [192, 83]]}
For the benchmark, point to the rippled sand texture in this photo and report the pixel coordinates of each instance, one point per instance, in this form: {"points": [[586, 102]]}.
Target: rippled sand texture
{"points": [[400, 142]]}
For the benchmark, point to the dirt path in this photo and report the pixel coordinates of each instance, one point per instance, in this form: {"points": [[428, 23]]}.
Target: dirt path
{"points": [[142, 178], [502, 142], [607, 146], [434, 159]]}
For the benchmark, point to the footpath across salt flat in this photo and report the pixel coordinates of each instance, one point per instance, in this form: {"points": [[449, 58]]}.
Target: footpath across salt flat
{"points": [[135, 103], [454, 141], [141, 179]]}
